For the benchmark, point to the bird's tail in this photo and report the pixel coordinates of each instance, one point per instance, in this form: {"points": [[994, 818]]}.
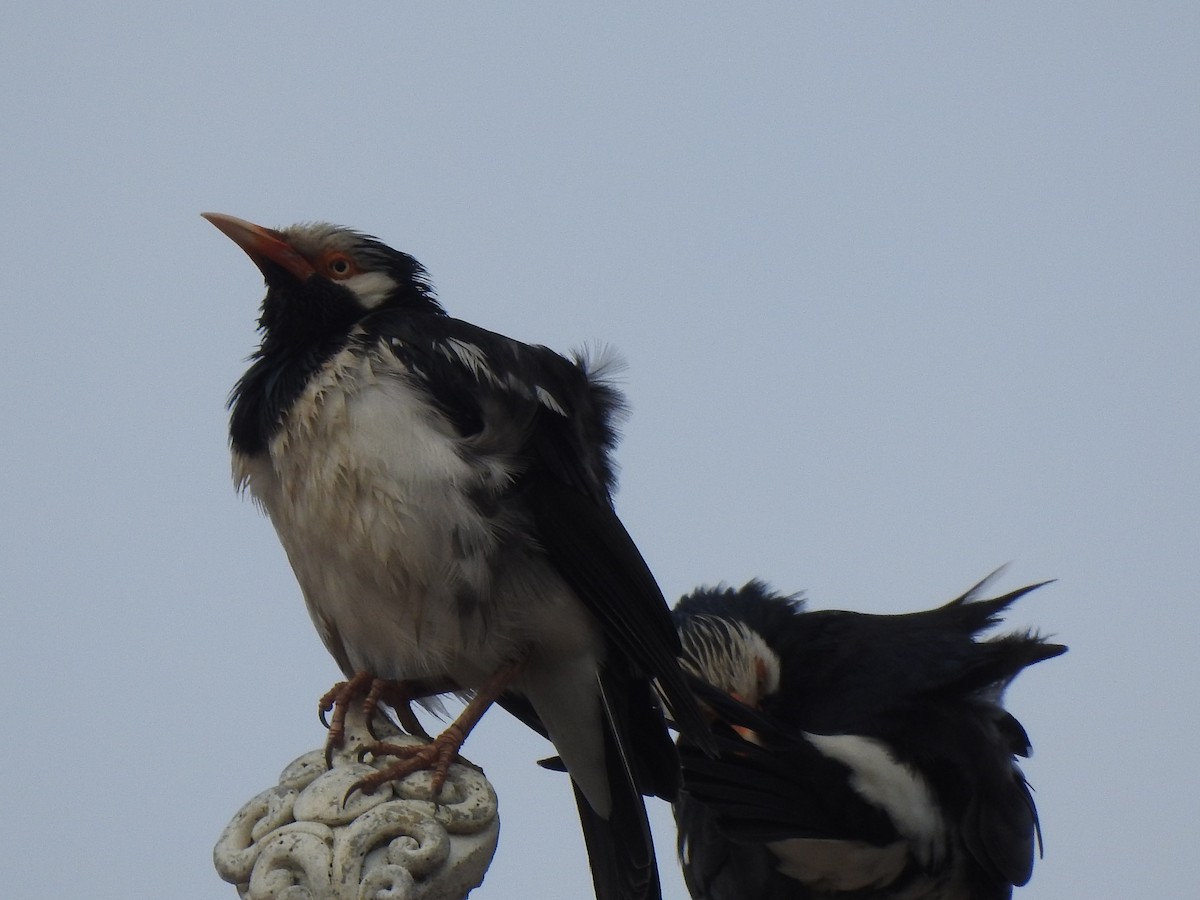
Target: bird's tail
{"points": [[620, 849], [639, 759], [972, 613]]}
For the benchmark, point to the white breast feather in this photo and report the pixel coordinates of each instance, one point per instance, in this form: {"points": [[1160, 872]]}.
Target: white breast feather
{"points": [[360, 461]]}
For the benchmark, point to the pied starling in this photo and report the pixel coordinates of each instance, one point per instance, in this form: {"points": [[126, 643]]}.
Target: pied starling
{"points": [[862, 756], [443, 494]]}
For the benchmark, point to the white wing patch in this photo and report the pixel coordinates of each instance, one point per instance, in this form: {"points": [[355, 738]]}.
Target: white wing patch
{"points": [[472, 358], [547, 400], [895, 788]]}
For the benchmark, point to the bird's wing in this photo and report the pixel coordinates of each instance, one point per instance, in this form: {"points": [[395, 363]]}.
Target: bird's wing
{"points": [[781, 788], [597, 557], [554, 420], [717, 868]]}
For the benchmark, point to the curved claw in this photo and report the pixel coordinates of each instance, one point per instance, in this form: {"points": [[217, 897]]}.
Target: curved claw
{"points": [[330, 699], [337, 698], [366, 785], [434, 757]]}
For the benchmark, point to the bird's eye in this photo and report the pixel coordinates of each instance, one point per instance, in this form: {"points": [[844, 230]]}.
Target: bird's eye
{"points": [[339, 266], [760, 675]]}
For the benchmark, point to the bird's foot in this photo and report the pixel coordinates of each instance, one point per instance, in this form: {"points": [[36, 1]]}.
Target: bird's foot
{"points": [[338, 699], [396, 694], [435, 757]]}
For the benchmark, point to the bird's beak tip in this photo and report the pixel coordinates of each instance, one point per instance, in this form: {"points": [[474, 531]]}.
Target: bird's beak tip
{"points": [[220, 219], [261, 244]]}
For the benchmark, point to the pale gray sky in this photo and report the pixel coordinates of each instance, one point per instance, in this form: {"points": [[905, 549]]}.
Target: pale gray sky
{"points": [[906, 290]]}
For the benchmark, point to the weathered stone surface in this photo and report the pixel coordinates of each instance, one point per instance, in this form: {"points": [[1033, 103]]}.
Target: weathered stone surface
{"points": [[306, 839]]}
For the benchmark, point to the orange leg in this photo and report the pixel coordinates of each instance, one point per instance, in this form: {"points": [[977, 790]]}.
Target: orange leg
{"points": [[438, 755], [399, 696], [396, 694]]}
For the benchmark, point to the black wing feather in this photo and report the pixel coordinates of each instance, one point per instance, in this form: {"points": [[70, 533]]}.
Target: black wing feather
{"points": [[565, 430]]}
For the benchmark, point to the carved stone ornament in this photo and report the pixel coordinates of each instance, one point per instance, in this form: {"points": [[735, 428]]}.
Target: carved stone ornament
{"points": [[298, 841]]}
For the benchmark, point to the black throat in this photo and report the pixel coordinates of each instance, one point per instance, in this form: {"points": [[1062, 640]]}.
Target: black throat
{"points": [[304, 325]]}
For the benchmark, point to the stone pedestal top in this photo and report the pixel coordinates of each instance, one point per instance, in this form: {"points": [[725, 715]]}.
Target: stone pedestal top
{"points": [[305, 839]]}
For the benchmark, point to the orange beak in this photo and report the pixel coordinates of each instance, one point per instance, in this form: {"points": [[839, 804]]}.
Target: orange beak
{"points": [[746, 734], [262, 245]]}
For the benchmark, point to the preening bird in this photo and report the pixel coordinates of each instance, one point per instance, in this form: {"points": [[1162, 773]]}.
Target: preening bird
{"points": [[443, 494], [861, 756]]}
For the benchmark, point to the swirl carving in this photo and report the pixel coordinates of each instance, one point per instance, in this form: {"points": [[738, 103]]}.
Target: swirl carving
{"points": [[298, 840]]}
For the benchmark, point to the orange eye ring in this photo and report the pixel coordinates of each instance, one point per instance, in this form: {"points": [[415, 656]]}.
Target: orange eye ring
{"points": [[339, 266]]}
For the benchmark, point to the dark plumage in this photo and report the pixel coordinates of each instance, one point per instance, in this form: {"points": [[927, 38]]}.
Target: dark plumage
{"points": [[444, 496], [862, 756]]}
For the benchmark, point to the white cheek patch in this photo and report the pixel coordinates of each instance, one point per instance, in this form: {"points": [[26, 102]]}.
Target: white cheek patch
{"points": [[902, 793], [371, 288], [730, 656]]}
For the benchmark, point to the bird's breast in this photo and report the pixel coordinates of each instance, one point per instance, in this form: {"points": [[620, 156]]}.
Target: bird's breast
{"points": [[371, 497]]}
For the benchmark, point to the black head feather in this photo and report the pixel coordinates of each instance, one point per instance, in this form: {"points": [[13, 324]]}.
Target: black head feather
{"points": [[308, 317]]}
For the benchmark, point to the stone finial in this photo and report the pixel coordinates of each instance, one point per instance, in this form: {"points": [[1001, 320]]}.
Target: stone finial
{"points": [[299, 841]]}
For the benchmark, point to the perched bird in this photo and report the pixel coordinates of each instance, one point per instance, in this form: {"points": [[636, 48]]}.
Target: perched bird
{"points": [[861, 756], [444, 497]]}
